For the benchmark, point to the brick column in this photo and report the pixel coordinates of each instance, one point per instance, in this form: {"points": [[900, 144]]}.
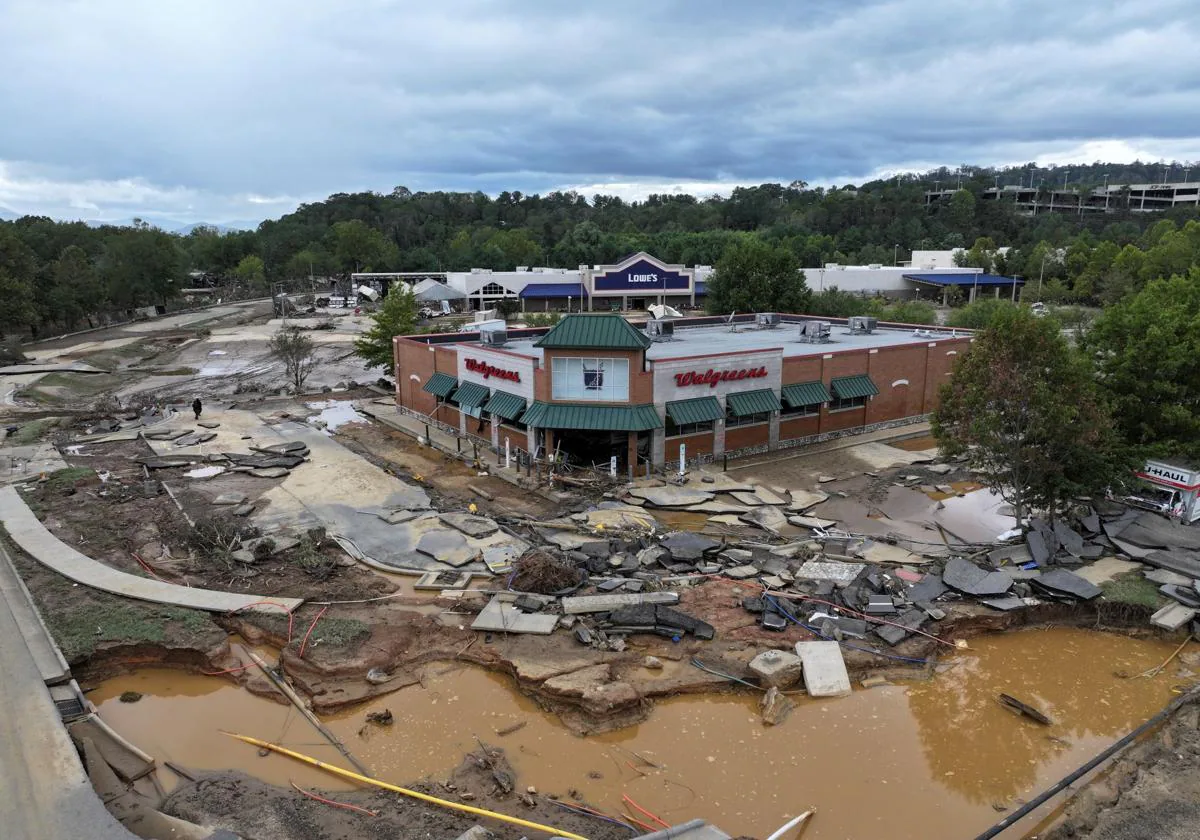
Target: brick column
{"points": [[718, 437], [658, 447]]}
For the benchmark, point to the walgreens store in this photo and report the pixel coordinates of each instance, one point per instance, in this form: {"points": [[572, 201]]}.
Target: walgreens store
{"points": [[596, 387]]}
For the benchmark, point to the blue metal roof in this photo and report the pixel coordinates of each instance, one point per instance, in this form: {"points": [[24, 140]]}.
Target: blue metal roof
{"points": [[701, 288], [964, 279], [553, 290]]}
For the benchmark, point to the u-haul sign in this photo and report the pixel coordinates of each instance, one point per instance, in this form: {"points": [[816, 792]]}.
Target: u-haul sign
{"points": [[1170, 475]]}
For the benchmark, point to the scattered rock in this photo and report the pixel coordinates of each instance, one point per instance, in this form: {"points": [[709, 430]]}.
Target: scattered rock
{"points": [[776, 668], [230, 499], [775, 707], [383, 718], [270, 472], [653, 663]]}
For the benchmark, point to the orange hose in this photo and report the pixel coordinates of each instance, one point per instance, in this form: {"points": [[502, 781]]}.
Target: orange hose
{"points": [[345, 805], [311, 627], [644, 811]]}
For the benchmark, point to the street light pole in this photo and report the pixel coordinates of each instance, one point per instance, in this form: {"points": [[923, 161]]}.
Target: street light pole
{"points": [[1041, 274], [895, 254]]}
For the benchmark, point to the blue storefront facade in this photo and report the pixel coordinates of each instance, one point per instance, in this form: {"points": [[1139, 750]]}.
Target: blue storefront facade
{"points": [[641, 280]]}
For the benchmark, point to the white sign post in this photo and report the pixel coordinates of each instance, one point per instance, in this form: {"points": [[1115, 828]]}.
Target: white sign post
{"points": [[612, 466], [507, 455], [682, 457]]}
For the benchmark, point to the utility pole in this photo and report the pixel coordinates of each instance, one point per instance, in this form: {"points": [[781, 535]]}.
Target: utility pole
{"points": [[1105, 193], [1041, 274], [895, 255]]}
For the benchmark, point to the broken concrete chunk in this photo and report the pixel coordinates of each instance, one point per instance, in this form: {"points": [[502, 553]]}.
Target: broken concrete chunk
{"points": [[579, 604], [1068, 539], [804, 499], [776, 668], [471, 525], [824, 669], [969, 578], [768, 518], [208, 424], [718, 507], [773, 621], [501, 614], [687, 545], [1061, 582], [841, 574], [449, 547], [1004, 604], [1172, 616], [742, 572], [230, 499], [672, 496], [909, 621], [775, 707], [1167, 576], [811, 522], [269, 472], [244, 510]]}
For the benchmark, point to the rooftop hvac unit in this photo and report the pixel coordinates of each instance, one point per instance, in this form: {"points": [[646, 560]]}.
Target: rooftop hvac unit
{"points": [[767, 320], [833, 266], [815, 332], [659, 330], [875, 265], [495, 336], [862, 324]]}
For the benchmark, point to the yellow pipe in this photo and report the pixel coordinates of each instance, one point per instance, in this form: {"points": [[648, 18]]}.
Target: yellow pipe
{"points": [[424, 797]]}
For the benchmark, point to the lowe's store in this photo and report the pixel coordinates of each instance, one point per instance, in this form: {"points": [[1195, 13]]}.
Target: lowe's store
{"points": [[597, 389]]}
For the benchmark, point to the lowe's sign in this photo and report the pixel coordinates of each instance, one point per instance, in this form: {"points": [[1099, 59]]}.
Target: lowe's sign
{"points": [[641, 277]]}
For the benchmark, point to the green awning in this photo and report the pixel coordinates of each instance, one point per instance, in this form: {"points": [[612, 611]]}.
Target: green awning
{"points": [[505, 405], [745, 403], [470, 395], [440, 385], [805, 393], [696, 410], [849, 387], [616, 418]]}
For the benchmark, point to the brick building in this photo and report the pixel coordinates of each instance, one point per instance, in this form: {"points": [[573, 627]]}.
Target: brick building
{"points": [[596, 386]]}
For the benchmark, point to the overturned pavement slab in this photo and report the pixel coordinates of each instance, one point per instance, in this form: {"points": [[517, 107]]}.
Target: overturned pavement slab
{"points": [[824, 669], [470, 524], [970, 579], [672, 496]]}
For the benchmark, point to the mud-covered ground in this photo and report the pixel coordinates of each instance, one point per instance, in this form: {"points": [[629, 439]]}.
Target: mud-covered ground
{"points": [[1152, 792], [241, 804]]}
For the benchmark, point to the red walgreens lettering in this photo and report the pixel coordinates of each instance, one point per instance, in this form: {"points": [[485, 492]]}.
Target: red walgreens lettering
{"points": [[488, 371], [712, 378]]}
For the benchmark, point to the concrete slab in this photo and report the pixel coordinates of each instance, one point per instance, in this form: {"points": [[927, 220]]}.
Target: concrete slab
{"points": [[672, 496], [768, 518], [1172, 616], [718, 507], [469, 524], [767, 496], [581, 604], [446, 546], [840, 573], [804, 499], [824, 669], [500, 615], [47, 549], [811, 522]]}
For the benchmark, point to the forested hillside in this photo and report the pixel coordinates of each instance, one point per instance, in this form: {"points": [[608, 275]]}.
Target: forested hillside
{"points": [[55, 276]]}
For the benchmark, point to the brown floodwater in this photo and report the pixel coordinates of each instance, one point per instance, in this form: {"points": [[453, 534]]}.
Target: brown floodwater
{"points": [[914, 444], [919, 761]]}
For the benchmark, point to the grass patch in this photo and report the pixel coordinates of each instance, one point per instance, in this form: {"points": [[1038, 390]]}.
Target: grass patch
{"points": [[1132, 588], [177, 371], [339, 632], [81, 630], [64, 387], [60, 480], [33, 431]]}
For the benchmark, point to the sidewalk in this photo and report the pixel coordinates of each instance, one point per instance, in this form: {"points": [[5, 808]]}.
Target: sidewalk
{"points": [[880, 436]]}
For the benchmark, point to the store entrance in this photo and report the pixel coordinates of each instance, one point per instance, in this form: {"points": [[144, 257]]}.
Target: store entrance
{"points": [[592, 450]]}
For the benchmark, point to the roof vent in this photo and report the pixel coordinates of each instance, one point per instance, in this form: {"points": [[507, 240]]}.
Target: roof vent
{"points": [[660, 330], [815, 332], [862, 324], [767, 320]]}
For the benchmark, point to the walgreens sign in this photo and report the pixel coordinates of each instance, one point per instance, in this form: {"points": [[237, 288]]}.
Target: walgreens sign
{"points": [[712, 378], [488, 371]]}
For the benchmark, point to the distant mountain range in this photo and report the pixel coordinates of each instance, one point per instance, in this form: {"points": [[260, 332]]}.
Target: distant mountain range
{"points": [[169, 226]]}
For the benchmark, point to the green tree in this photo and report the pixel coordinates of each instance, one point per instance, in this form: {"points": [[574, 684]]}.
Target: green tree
{"points": [[1024, 409], [980, 314], [357, 245], [752, 276], [397, 315], [251, 271], [75, 291], [18, 264], [1147, 349], [141, 265]]}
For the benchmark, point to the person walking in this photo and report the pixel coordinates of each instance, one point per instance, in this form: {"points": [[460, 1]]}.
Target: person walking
{"points": [[196, 406]]}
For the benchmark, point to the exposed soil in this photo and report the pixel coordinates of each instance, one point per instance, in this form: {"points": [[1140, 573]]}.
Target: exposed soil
{"points": [[1152, 792], [252, 809]]}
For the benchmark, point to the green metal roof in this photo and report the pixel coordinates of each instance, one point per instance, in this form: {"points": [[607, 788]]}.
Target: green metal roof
{"points": [[503, 404], [849, 387], [805, 393], [617, 418], [594, 332], [753, 402], [696, 410], [470, 395], [440, 385]]}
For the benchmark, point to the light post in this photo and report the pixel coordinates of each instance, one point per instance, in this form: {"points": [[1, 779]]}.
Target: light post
{"points": [[1041, 274], [895, 255]]}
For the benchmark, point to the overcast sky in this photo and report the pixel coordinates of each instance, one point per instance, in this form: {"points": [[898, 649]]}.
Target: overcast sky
{"points": [[228, 110]]}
